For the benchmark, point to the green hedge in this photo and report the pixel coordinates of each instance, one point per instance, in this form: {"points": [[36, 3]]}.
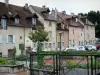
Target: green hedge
{"points": [[72, 52]]}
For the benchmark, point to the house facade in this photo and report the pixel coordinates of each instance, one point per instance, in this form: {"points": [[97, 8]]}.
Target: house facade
{"points": [[62, 27], [76, 29], [15, 24], [49, 22], [89, 30]]}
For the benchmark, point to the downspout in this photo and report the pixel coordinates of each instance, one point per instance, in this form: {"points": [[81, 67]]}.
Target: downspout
{"points": [[84, 34], [68, 39], [24, 34]]}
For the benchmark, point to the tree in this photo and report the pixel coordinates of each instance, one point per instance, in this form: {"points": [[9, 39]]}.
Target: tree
{"points": [[22, 48], [38, 37], [14, 55]]}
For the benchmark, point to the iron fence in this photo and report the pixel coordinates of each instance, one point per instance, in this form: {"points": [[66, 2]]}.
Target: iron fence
{"points": [[62, 64]]}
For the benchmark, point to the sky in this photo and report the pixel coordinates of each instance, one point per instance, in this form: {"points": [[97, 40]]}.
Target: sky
{"points": [[70, 6]]}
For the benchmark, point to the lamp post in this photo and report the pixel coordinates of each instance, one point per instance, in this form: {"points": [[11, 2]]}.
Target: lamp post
{"points": [[60, 34]]}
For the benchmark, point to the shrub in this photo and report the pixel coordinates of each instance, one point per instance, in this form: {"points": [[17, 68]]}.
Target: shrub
{"points": [[22, 57], [4, 61]]}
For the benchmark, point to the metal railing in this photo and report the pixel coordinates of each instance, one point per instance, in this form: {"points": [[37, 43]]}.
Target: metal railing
{"points": [[62, 64]]}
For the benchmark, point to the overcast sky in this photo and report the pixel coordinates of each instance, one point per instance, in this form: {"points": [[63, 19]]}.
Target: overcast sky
{"points": [[70, 6]]}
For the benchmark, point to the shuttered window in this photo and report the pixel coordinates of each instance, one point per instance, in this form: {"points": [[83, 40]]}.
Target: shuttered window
{"points": [[10, 39]]}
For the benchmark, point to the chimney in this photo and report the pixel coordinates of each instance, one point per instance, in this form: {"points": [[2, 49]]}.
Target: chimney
{"points": [[72, 14], [26, 6], [6, 2], [54, 13], [44, 6], [79, 15], [64, 12]]}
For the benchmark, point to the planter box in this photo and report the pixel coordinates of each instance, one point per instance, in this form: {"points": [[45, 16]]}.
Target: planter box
{"points": [[13, 70]]}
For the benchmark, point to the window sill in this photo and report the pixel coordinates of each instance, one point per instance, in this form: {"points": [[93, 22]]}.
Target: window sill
{"points": [[10, 43]]}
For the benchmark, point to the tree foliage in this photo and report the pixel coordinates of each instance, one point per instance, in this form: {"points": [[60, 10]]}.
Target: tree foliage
{"points": [[38, 36]]}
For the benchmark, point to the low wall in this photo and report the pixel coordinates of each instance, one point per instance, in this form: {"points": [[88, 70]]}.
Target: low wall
{"points": [[13, 70]]}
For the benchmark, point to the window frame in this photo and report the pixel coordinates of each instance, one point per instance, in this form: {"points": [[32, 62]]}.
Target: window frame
{"points": [[4, 22], [17, 20], [9, 38], [34, 21]]}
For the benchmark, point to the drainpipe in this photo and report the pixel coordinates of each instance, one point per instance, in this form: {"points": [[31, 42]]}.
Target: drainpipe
{"points": [[68, 38], [24, 35], [84, 35]]}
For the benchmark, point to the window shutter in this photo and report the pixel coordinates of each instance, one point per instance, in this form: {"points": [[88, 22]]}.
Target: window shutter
{"points": [[7, 39], [0, 39], [13, 38]]}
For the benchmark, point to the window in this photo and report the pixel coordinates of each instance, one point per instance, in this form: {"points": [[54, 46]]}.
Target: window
{"points": [[0, 39], [49, 45], [50, 34], [16, 20], [58, 44], [73, 41], [50, 23], [62, 44], [62, 26], [82, 29], [3, 22], [34, 21], [53, 45], [62, 35], [76, 19], [69, 42], [81, 34], [79, 43], [35, 45], [46, 45], [87, 27], [10, 39], [73, 31]]}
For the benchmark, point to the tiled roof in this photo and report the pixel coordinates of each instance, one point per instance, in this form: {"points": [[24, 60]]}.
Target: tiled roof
{"points": [[83, 19], [65, 17], [11, 10], [42, 9]]}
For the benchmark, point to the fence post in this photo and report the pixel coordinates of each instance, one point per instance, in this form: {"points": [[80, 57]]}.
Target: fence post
{"points": [[91, 65], [30, 64], [88, 65], [56, 64]]}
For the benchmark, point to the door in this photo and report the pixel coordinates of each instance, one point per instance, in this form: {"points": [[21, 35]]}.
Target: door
{"points": [[10, 53]]}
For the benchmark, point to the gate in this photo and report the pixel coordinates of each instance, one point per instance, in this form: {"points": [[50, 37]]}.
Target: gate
{"points": [[61, 64]]}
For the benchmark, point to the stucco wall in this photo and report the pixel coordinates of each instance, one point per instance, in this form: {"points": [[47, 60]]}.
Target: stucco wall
{"points": [[63, 39], [17, 32], [77, 35], [89, 33]]}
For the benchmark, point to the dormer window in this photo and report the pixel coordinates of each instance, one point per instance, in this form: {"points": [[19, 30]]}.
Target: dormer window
{"points": [[3, 22], [16, 20], [17, 17], [76, 19], [34, 21]]}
